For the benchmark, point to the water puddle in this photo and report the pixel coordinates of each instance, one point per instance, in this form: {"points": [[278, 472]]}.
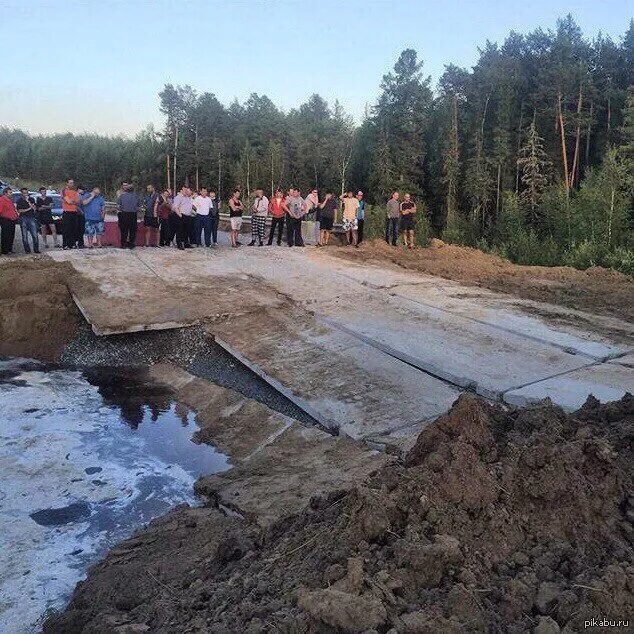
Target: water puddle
{"points": [[85, 459]]}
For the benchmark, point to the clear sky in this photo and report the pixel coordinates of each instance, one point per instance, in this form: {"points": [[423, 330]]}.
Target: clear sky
{"points": [[97, 65]]}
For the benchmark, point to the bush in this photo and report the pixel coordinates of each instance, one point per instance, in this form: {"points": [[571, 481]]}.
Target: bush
{"points": [[374, 226], [584, 255], [460, 231], [621, 259]]}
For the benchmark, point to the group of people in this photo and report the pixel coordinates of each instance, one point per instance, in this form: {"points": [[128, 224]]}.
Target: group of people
{"points": [[190, 219], [82, 219]]}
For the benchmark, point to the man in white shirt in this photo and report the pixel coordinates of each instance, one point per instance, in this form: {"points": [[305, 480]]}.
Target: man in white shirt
{"points": [[182, 213], [259, 212], [202, 205]]}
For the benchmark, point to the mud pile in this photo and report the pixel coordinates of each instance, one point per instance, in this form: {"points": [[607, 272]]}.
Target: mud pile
{"points": [[37, 313], [497, 520], [601, 291]]}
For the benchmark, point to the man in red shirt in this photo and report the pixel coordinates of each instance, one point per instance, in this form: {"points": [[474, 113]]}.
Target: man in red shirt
{"points": [[70, 215], [8, 218]]}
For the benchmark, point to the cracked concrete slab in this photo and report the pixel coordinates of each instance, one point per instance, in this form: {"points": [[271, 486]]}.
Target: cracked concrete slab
{"points": [[298, 465], [605, 381], [278, 465]]}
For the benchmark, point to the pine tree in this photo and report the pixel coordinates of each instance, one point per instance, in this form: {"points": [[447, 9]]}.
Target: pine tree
{"points": [[451, 167]]}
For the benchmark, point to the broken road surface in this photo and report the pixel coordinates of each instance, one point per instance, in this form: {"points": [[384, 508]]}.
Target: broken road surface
{"points": [[372, 351]]}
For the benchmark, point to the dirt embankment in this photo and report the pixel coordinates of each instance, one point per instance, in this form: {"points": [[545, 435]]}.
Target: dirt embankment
{"points": [[597, 290], [37, 314], [502, 521]]}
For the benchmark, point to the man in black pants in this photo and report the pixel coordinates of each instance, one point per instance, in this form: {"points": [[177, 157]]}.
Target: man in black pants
{"points": [[296, 206], [393, 209], [128, 203], [214, 215]]}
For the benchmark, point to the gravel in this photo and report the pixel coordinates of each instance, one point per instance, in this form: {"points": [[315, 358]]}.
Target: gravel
{"points": [[190, 348]]}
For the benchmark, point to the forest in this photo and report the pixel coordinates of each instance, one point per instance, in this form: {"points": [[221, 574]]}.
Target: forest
{"points": [[529, 154]]}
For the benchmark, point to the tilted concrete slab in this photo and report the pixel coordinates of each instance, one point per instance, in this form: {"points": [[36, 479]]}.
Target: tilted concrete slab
{"points": [[605, 381], [340, 381], [235, 425], [278, 465], [117, 292], [394, 319], [282, 478]]}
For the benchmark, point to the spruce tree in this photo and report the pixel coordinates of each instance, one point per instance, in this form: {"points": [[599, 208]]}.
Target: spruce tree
{"points": [[533, 162]]}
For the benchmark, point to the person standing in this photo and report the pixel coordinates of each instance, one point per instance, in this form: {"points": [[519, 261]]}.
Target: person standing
{"points": [[94, 212], [235, 217], [81, 219], [70, 215], [128, 204], [202, 205], [391, 221], [350, 223], [312, 202], [326, 218], [8, 218], [360, 217], [164, 208], [182, 209], [44, 210], [277, 209], [25, 207], [408, 223], [259, 212], [214, 217], [296, 206], [150, 216]]}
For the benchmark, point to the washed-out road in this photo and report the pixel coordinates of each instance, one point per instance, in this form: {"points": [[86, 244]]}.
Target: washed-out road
{"points": [[372, 351]]}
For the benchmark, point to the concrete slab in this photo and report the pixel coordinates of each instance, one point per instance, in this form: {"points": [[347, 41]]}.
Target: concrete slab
{"points": [[236, 425], [283, 477], [377, 320], [626, 360], [508, 316], [605, 381], [117, 292], [468, 354], [341, 381], [277, 464]]}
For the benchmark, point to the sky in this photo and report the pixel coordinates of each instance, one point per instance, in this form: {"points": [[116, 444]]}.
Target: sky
{"points": [[98, 65]]}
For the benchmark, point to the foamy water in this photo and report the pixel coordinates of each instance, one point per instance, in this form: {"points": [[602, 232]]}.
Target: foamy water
{"points": [[77, 476]]}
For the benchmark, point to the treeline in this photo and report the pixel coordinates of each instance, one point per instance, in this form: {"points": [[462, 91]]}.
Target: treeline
{"points": [[529, 154]]}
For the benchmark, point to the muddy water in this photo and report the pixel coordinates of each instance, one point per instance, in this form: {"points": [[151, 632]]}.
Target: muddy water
{"points": [[85, 459]]}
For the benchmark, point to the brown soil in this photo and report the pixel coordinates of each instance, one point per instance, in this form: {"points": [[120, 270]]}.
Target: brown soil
{"points": [[499, 521], [37, 314], [598, 290]]}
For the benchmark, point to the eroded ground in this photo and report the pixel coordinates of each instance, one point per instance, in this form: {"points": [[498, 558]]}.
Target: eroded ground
{"points": [[499, 518]]}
